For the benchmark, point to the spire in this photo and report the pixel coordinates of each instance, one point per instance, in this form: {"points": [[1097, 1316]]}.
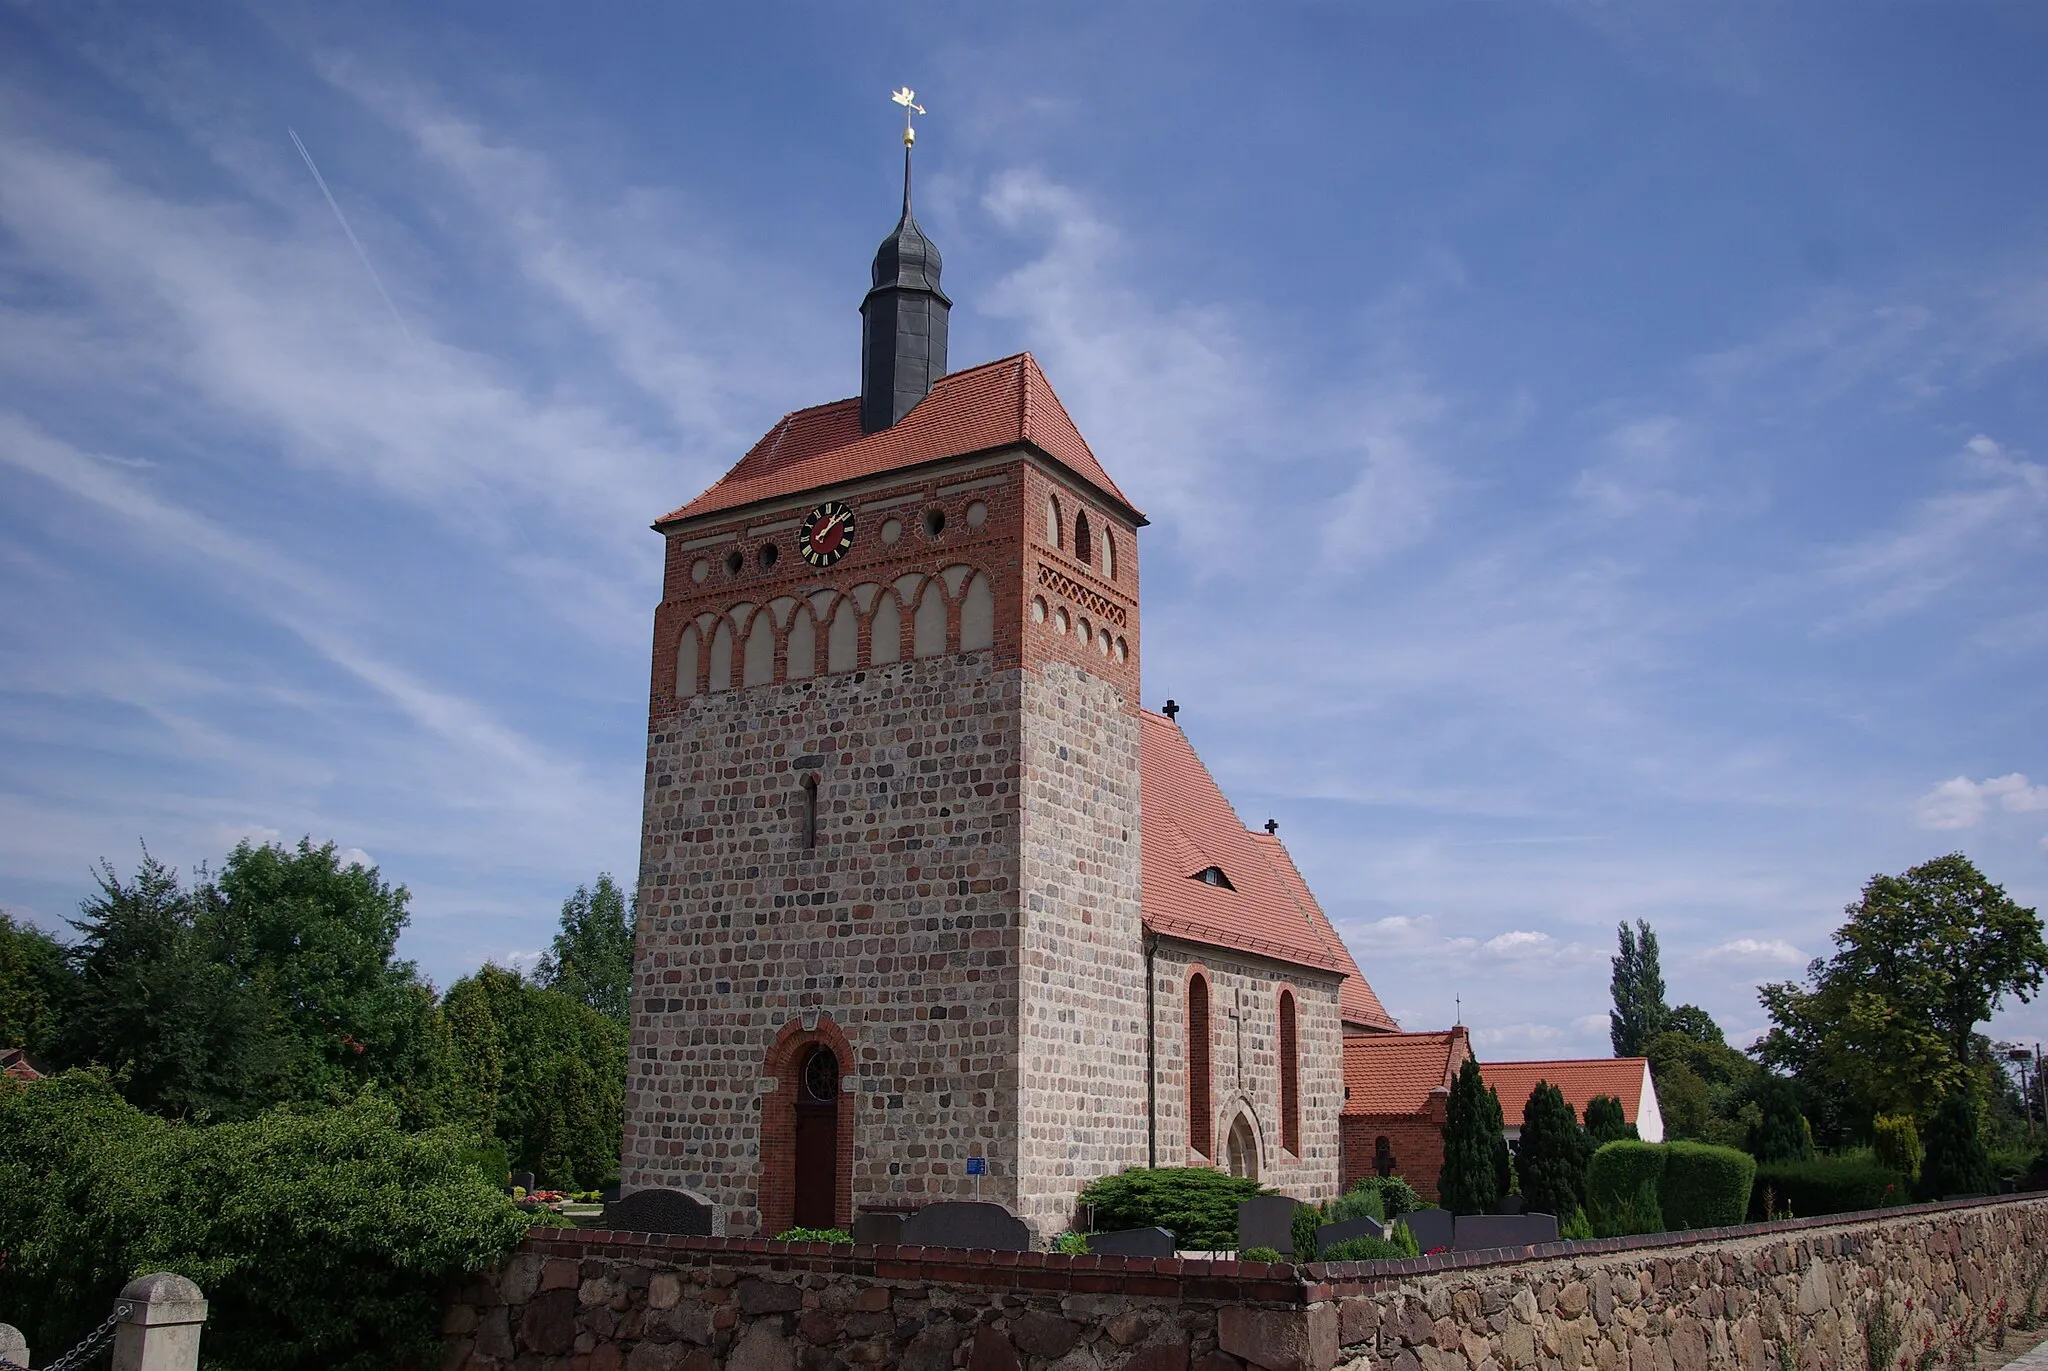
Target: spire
{"points": [[903, 318]]}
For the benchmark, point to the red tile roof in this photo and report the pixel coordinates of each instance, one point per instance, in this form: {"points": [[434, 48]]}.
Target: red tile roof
{"points": [[14, 1062], [1580, 1081], [995, 405], [1187, 826], [1393, 1073]]}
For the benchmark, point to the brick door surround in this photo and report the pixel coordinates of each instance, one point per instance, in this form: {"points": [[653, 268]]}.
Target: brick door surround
{"points": [[778, 1123]]}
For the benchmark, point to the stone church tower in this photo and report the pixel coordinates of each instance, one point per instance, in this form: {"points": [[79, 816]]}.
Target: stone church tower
{"points": [[893, 911]]}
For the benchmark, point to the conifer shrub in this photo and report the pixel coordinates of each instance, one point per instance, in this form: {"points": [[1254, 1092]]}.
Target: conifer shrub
{"points": [[1552, 1154], [1896, 1142], [1307, 1219], [1194, 1203], [1471, 1181], [1606, 1122], [1825, 1185], [1704, 1186], [322, 1240], [1781, 1134], [1956, 1162], [1621, 1186]]}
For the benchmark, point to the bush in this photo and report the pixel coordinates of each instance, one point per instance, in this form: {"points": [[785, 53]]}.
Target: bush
{"points": [[1825, 1185], [1472, 1179], [1605, 1121], [1359, 1202], [1071, 1243], [1553, 1153], [1197, 1205], [1781, 1134], [1897, 1144], [1704, 1186], [1307, 1219], [1396, 1196], [1363, 1250], [1956, 1163], [832, 1235], [1621, 1189], [321, 1240], [1260, 1254]]}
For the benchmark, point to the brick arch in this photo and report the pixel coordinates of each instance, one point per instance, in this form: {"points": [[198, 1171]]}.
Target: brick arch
{"points": [[777, 1182]]}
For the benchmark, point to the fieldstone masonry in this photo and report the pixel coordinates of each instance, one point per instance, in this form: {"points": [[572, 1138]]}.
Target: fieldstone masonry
{"points": [[1760, 1298]]}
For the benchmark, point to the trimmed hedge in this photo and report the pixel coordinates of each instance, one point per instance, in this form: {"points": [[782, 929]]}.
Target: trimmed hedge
{"points": [[1704, 1186], [1197, 1205], [1621, 1188], [1826, 1185]]}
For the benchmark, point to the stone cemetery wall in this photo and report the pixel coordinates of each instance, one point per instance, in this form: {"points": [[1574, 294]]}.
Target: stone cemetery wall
{"points": [[1738, 1297]]}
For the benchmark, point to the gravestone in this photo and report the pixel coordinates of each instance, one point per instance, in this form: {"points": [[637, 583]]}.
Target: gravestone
{"points": [[523, 1180], [1330, 1234], [878, 1229], [1511, 1204], [1132, 1242], [14, 1347], [1432, 1227], [975, 1224], [1476, 1232], [665, 1211], [1266, 1221]]}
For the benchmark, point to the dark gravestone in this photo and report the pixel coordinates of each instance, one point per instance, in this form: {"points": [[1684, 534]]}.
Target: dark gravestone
{"points": [[1266, 1221], [1475, 1232], [522, 1180], [1132, 1242], [1330, 1234], [966, 1223], [665, 1211], [878, 1230], [609, 1195], [1432, 1227], [1511, 1204]]}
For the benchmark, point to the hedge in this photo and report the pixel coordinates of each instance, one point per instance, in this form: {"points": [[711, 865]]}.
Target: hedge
{"points": [[1704, 1186], [1825, 1185], [1197, 1205], [322, 1240], [1621, 1188]]}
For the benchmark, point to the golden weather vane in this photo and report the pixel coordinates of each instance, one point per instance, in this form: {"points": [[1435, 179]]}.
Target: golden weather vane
{"points": [[908, 99]]}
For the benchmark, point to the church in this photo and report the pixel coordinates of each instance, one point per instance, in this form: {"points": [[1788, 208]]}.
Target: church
{"points": [[931, 906]]}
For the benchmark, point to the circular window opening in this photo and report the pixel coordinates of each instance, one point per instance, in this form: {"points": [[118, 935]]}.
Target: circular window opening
{"points": [[734, 560], [767, 555], [977, 514], [699, 570], [1038, 610], [934, 522], [892, 529], [821, 1075]]}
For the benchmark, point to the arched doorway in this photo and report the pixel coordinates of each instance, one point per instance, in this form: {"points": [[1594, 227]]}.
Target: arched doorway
{"points": [[816, 1188], [1241, 1152]]}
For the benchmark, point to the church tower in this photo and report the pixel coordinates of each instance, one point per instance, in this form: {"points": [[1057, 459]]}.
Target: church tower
{"points": [[890, 868]]}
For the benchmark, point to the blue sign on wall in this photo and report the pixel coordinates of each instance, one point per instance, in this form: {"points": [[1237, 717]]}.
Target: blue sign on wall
{"points": [[977, 1166]]}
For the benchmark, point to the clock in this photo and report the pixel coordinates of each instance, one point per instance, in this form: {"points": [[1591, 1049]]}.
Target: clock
{"points": [[827, 533]]}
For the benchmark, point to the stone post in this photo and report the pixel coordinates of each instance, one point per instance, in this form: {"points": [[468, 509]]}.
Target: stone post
{"points": [[161, 1333], [13, 1346]]}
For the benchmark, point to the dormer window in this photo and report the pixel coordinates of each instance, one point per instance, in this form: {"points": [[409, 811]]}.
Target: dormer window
{"points": [[1213, 875]]}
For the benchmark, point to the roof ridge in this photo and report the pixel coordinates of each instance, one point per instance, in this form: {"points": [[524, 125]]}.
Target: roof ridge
{"points": [[1565, 1061]]}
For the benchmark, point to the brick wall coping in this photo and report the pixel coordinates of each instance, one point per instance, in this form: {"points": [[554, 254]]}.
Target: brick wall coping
{"points": [[1222, 1280]]}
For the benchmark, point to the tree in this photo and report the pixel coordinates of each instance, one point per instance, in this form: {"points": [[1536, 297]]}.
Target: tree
{"points": [[1691, 1022], [592, 957], [1470, 1181], [1955, 1161], [1639, 1011], [1780, 1134], [1552, 1154], [35, 985], [1606, 1121], [1889, 1023]]}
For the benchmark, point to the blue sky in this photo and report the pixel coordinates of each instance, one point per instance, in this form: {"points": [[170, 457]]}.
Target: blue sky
{"points": [[1597, 453]]}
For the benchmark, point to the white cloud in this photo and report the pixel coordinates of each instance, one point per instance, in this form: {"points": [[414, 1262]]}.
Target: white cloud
{"points": [[1960, 802], [1756, 952]]}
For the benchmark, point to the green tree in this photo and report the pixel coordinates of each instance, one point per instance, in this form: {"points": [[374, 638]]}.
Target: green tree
{"points": [[1639, 1012], [1552, 1153], [179, 1029], [35, 986], [592, 957], [1692, 1022], [1889, 1023], [1606, 1121], [1780, 1134], [1471, 1180], [1955, 1162]]}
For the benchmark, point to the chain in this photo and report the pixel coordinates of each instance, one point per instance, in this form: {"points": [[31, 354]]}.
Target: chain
{"points": [[94, 1344]]}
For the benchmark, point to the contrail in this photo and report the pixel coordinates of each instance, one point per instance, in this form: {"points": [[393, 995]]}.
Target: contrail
{"points": [[361, 256]]}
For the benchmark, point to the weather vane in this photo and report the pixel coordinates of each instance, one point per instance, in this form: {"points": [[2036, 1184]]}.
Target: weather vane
{"points": [[908, 99]]}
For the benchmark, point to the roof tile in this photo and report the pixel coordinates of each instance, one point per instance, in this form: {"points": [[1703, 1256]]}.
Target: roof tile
{"points": [[1579, 1080], [1393, 1073]]}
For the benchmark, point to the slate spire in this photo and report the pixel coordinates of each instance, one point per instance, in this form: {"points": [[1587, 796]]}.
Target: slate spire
{"points": [[903, 322]]}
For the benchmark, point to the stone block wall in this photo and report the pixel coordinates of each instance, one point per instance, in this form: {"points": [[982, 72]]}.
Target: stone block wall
{"points": [[1244, 1062], [1759, 1298]]}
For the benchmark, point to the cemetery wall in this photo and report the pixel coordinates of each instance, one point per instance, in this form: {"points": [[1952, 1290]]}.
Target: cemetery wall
{"points": [[1757, 1297]]}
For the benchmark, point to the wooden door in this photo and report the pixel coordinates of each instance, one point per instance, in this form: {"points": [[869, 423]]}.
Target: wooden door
{"points": [[817, 1141]]}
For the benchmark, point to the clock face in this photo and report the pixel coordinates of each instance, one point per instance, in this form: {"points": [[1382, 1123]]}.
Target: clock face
{"points": [[827, 534]]}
